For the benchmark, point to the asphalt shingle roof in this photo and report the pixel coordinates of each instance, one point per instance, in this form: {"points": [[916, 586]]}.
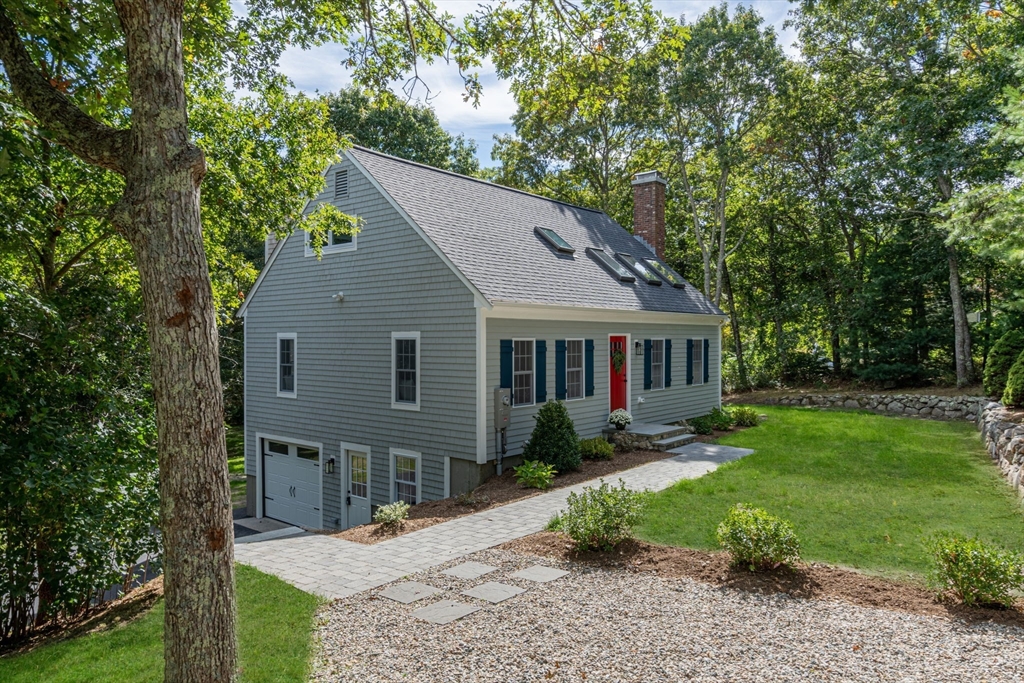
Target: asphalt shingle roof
{"points": [[488, 233]]}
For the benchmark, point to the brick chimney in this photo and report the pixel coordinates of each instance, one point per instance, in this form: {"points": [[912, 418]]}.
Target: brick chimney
{"points": [[649, 210]]}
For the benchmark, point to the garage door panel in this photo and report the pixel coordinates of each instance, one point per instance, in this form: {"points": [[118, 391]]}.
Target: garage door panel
{"points": [[291, 488]]}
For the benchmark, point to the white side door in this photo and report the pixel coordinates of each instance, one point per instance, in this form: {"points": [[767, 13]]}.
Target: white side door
{"points": [[357, 485]]}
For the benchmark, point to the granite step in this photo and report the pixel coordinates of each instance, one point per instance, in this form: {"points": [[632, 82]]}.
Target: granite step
{"points": [[673, 441]]}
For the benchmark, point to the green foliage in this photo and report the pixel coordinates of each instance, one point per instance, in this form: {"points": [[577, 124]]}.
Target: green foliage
{"points": [[703, 425], [403, 129], [863, 490], [275, 639], [978, 574], [758, 540], [392, 514], [596, 449], [601, 518], [554, 440], [744, 416], [535, 475], [1004, 352], [554, 524], [721, 420], [1013, 395]]}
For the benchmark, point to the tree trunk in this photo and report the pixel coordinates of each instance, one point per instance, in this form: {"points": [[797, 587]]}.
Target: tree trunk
{"points": [[741, 366], [160, 218], [961, 330]]}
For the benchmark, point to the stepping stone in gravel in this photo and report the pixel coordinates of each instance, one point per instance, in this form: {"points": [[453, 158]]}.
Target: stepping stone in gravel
{"points": [[469, 570], [409, 591], [539, 573], [493, 591], [444, 612]]}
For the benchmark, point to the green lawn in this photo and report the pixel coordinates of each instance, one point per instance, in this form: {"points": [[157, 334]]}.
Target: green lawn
{"points": [[236, 464], [861, 490], [275, 623]]}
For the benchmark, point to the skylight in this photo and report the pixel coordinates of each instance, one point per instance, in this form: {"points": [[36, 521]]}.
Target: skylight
{"points": [[552, 238], [618, 271], [670, 275], [641, 270]]}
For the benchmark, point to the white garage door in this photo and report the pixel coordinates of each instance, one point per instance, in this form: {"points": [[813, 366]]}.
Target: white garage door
{"points": [[291, 483]]}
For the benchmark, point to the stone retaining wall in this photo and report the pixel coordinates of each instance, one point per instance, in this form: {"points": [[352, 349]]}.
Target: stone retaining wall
{"points": [[1003, 434], [932, 407]]}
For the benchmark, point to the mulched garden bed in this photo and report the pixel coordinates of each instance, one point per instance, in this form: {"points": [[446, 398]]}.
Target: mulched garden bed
{"points": [[497, 491], [809, 581]]}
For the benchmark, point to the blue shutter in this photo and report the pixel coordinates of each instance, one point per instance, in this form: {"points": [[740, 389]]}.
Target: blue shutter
{"points": [[506, 363], [588, 364], [542, 370], [560, 369], [647, 364], [668, 363], [689, 361], [707, 347]]}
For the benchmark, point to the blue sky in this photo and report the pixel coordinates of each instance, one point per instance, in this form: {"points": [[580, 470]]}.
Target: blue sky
{"points": [[320, 70]]}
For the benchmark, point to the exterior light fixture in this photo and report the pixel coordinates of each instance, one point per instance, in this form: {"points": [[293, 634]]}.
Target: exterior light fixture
{"points": [[639, 347], [329, 466], [338, 297]]}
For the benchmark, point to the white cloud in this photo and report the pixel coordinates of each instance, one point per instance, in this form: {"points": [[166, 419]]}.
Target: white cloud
{"points": [[320, 69]]}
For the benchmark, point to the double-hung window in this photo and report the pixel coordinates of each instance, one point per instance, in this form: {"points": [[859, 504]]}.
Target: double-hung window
{"points": [[405, 372], [405, 466], [286, 364], [657, 364], [698, 361], [522, 372], [573, 369]]}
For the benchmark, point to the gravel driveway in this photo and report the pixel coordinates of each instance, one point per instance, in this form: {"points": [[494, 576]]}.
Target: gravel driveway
{"points": [[607, 625]]}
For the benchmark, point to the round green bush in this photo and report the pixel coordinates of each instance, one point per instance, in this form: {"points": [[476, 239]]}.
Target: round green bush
{"points": [[534, 475], [554, 440], [1000, 359], [1014, 393], [744, 416], [601, 518], [977, 574], [596, 449], [758, 540]]}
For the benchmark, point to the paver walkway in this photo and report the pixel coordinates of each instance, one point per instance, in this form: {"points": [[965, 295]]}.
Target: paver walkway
{"points": [[335, 568]]}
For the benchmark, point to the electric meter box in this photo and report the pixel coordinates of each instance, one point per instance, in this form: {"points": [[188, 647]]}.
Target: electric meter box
{"points": [[502, 408]]}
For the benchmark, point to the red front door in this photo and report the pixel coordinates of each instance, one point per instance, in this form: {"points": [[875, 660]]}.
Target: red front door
{"points": [[617, 389]]}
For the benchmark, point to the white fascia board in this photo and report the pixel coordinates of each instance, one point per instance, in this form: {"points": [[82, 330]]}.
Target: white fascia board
{"points": [[517, 311], [479, 298]]}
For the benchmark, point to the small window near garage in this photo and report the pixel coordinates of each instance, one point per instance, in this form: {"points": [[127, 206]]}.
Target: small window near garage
{"points": [[573, 369], [359, 474], [286, 365], [308, 453], [698, 361], [405, 376], [657, 364], [277, 447], [405, 479], [522, 372]]}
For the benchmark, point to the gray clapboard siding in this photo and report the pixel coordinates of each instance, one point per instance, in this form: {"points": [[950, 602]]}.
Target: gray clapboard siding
{"points": [[590, 414], [393, 281]]}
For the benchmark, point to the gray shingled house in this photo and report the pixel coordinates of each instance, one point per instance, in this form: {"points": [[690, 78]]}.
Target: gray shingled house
{"points": [[370, 372]]}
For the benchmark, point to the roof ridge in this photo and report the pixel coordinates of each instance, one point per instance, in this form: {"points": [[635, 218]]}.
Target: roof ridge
{"points": [[475, 180]]}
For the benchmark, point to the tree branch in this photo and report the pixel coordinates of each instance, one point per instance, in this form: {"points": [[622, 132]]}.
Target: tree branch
{"points": [[87, 138]]}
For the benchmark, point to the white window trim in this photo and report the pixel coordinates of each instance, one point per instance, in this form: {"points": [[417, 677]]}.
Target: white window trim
{"points": [[330, 248], [698, 378], [393, 488], [533, 370], [395, 336], [583, 370], [295, 364], [263, 436], [359, 448], [664, 353]]}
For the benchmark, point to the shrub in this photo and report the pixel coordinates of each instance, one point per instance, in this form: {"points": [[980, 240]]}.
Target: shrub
{"points": [[702, 424], [720, 419], [757, 539], [1000, 359], [975, 572], [602, 518], [554, 440], [535, 474], [1014, 392], [596, 449], [744, 416], [554, 524], [393, 514]]}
